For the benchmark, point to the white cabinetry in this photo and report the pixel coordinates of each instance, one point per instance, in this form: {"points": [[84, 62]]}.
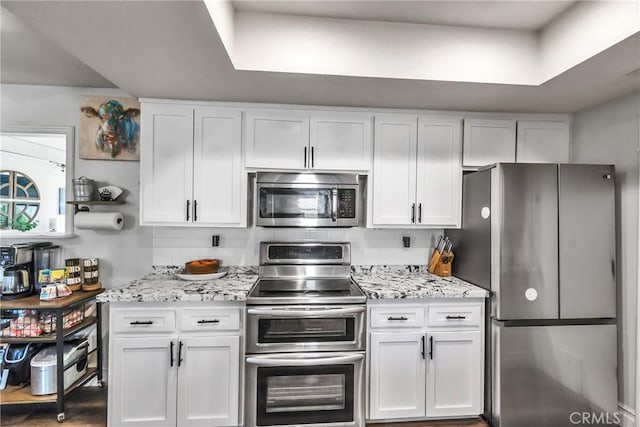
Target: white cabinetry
{"points": [[542, 141], [417, 174], [187, 376], [488, 141], [191, 169], [426, 366], [299, 140]]}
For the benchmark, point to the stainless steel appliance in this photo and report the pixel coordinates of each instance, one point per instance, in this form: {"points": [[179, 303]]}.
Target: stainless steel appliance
{"points": [[541, 238], [44, 367], [308, 200], [305, 338], [16, 270]]}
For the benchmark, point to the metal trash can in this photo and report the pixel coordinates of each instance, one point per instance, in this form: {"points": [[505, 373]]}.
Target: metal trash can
{"points": [[83, 189]]}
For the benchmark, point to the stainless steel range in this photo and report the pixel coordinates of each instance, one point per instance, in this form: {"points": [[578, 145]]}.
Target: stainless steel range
{"points": [[305, 338]]}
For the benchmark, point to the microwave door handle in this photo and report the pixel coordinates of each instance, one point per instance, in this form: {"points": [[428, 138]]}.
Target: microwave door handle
{"points": [[334, 204], [306, 313], [305, 362]]}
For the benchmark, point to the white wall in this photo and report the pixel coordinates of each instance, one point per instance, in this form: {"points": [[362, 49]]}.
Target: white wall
{"points": [[610, 134], [124, 255]]}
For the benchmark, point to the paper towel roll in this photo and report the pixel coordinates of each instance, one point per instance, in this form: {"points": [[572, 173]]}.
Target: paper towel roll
{"points": [[99, 220]]}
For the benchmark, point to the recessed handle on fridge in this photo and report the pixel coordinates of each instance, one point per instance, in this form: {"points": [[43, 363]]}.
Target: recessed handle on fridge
{"points": [[141, 322], [188, 205], [307, 313], [208, 321], [171, 354], [305, 362], [456, 317], [397, 318]]}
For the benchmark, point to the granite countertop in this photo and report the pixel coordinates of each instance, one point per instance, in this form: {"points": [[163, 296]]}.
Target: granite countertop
{"points": [[377, 282], [163, 286], [407, 282]]}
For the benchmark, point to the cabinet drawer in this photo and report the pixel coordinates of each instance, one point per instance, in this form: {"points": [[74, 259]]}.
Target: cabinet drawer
{"points": [[209, 320], [454, 316], [143, 321], [397, 317]]}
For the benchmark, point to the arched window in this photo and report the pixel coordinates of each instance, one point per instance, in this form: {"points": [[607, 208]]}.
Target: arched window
{"points": [[19, 201]]}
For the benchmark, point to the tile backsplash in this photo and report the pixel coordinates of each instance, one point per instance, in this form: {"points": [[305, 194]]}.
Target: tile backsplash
{"points": [[176, 245]]}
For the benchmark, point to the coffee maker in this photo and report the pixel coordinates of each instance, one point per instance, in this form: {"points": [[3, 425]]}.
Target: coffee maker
{"points": [[16, 271], [20, 264]]}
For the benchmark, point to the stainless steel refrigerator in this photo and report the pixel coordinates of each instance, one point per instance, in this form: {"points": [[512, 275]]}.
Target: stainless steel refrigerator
{"points": [[541, 238]]}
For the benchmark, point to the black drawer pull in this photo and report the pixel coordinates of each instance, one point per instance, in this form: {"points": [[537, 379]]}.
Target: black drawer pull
{"points": [[208, 321], [456, 317], [139, 322], [397, 318]]}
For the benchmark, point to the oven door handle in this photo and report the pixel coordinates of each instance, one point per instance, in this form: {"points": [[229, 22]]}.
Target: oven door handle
{"points": [[307, 313], [305, 362]]}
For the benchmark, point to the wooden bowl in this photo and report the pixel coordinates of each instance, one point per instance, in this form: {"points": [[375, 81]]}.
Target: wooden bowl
{"points": [[202, 266]]}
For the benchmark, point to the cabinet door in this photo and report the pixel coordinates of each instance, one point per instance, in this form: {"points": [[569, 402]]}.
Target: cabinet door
{"points": [[277, 139], [454, 374], [166, 163], [209, 376], [439, 171], [394, 170], [219, 180], [397, 375], [542, 142], [489, 141], [341, 141], [142, 382]]}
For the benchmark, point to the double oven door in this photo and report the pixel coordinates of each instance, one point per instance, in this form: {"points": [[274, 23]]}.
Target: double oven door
{"points": [[305, 366]]}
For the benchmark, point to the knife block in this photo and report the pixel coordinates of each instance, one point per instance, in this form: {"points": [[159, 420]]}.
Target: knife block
{"points": [[443, 267]]}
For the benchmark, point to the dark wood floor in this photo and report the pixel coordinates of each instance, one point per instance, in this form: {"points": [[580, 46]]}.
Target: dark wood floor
{"points": [[88, 408]]}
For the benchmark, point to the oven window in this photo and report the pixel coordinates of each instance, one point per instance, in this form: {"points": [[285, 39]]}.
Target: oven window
{"points": [[305, 395], [295, 203], [298, 330]]}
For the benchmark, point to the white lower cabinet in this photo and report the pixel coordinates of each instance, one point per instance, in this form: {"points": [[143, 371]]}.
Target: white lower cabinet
{"points": [[187, 377], [428, 369]]}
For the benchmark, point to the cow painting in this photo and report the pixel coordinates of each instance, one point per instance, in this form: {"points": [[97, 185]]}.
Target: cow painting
{"points": [[118, 130]]}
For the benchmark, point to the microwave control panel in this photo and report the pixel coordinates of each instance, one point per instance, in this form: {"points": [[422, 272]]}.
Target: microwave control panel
{"points": [[346, 203]]}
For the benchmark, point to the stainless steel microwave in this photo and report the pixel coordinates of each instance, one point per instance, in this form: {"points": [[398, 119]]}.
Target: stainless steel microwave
{"points": [[308, 200]]}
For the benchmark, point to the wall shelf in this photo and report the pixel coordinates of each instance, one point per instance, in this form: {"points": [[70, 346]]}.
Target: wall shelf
{"points": [[88, 203]]}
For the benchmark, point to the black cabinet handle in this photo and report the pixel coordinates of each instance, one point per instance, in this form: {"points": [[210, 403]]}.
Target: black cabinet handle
{"points": [[141, 322], [420, 212], [195, 210], [413, 213], [171, 354], [188, 204], [305, 157], [312, 156], [423, 350], [180, 354], [208, 321], [456, 317], [397, 318], [431, 347]]}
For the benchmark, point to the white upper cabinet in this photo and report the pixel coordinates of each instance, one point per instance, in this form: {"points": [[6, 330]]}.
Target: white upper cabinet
{"points": [[299, 140], [439, 171], [219, 181], [277, 139], [191, 169], [340, 141], [394, 169], [489, 141], [417, 172], [542, 141], [166, 162]]}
